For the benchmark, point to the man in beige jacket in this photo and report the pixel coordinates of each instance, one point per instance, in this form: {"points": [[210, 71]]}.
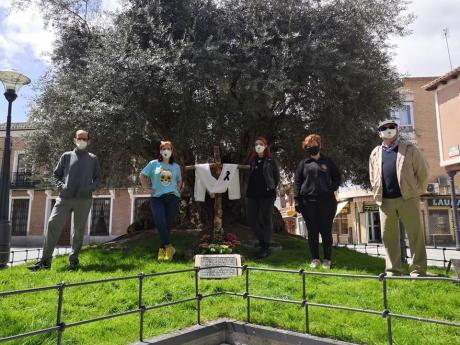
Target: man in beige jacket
{"points": [[399, 174]]}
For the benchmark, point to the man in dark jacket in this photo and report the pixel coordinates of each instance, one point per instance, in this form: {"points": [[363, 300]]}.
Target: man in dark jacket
{"points": [[76, 176]]}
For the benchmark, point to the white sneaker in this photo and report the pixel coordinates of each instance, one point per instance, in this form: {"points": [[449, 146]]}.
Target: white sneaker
{"points": [[315, 263], [326, 264]]}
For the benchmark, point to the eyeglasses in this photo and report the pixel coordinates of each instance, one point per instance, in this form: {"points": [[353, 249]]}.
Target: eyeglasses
{"points": [[84, 139], [391, 126]]}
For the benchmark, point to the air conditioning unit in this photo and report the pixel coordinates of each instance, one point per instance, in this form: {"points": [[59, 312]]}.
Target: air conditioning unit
{"points": [[432, 188]]}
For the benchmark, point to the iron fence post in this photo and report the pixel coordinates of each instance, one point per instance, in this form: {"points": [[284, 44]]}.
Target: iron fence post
{"points": [[386, 311], [444, 257], [141, 307], [246, 295], [197, 295], [59, 323], [304, 301]]}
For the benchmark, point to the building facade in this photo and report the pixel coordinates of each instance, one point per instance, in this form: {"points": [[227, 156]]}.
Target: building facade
{"points": [[417, 121], [112, 212]]}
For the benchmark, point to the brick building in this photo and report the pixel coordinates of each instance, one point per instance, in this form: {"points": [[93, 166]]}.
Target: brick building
{"points": [[359, 220], [30, 205]]}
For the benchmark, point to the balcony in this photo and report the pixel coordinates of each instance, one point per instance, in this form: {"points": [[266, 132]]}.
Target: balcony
{"points": [[22, 180]]}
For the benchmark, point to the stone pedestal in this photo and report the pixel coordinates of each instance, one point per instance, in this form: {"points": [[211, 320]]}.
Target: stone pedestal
{"points": [[218, 260]]}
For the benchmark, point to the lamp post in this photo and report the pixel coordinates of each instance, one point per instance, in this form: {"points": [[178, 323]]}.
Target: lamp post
{"points": [[453, 203], [12, 81]]}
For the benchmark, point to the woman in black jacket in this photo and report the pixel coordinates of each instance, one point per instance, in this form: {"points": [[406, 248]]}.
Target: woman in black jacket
{"points": [[264, 177], [316, 180]]}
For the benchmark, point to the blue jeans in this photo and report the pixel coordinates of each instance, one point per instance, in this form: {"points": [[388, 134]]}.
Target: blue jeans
{"points": [[164, 210]]}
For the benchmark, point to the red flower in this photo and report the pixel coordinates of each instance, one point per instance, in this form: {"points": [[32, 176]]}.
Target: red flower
{"points": [[231, 237]]}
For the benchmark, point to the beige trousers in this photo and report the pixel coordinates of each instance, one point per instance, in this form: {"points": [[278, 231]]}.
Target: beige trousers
{"points": [[62, 211], [408, 211]]}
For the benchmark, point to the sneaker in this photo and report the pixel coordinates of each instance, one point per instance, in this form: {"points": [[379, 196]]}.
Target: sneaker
{"points": [[415, 274], [315, 263], [169, 253], [39, 266], [392, 274], [327, 264], [161, 254], [74, 266]]}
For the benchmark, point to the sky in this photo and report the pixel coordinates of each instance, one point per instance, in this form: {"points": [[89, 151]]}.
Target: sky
{"points": [[25, 45]]}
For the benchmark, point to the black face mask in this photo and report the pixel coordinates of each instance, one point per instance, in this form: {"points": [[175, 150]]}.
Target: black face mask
{"points": [[312, 151]]}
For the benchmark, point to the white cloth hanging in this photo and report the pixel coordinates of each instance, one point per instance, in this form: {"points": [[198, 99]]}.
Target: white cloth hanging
{"points": [[229, 179]]}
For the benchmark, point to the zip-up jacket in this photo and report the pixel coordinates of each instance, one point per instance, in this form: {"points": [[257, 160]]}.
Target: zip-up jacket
{"points": [[77, 174], [316, 179]]}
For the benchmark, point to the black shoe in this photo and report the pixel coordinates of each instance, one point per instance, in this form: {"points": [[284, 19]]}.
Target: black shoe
{"points": [[39, 266], [263, 253], [73, 266]]}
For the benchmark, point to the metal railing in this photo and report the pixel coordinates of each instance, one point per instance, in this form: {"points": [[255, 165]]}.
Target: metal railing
{"points": [[32, 254], [380, 252], [60, 326], [23, 179]]}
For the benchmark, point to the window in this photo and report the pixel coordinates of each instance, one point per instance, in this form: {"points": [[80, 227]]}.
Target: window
{"points": [[142, 215], [439, 221], [100, 217], [374, 234], [138, 202], [19, 216], [340, 225], [20, 163], [404, 116]]}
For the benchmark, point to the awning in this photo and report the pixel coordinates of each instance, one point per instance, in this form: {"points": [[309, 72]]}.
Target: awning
{"points": [[340, 206]]}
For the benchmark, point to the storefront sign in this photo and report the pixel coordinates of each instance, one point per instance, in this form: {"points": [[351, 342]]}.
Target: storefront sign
{"points": [[367, 208], [442, 202]]}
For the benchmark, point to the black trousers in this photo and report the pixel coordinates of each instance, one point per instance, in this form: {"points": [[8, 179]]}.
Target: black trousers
{"points": [[259, 214], [318, 216]]}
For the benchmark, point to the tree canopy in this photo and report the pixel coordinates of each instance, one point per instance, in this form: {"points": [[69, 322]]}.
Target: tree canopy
{"points": [[200, 72]]}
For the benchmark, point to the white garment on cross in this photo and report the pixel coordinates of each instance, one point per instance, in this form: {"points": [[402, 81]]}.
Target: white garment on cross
{"points": [[229, 179]]}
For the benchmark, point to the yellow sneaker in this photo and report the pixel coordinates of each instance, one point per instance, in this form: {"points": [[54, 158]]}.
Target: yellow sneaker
{"points": [[161, 254], [169, 253]]}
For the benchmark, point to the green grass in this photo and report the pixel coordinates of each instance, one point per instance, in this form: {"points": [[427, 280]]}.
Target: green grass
{"points": [[24, 313]]}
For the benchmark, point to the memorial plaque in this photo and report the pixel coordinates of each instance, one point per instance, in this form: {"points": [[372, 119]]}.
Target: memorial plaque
{"points": [[218, 260]]}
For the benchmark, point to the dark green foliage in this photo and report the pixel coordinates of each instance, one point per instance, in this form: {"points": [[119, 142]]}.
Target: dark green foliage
{"points": [[200, 72]]}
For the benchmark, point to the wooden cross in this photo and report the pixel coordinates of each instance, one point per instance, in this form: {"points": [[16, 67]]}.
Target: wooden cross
{"points": [[218, 229]]}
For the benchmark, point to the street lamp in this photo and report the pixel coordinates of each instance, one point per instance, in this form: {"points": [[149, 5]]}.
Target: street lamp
{"points": [[12, 81]]}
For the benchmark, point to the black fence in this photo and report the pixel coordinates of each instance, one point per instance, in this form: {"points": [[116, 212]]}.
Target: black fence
{"points": [[380, 252], [306, 305], [23, 179], [26, 255]]}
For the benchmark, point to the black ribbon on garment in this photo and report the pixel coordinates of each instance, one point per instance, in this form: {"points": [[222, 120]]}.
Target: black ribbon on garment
{"points": [[227, 177]]}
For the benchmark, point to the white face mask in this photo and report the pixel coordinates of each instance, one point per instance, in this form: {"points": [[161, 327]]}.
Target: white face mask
{"points": [[166, 154], [260, 148], [389, 133], [81, 144]]}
